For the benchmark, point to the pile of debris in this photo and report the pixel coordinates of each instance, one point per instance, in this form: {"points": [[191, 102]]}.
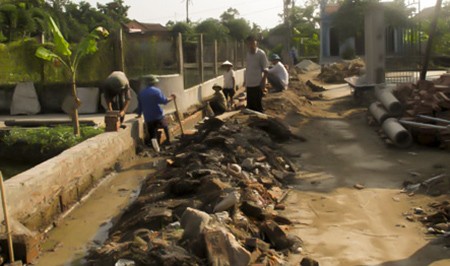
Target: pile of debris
{"points": [[337, 72], [418, 111], [215, 203]]}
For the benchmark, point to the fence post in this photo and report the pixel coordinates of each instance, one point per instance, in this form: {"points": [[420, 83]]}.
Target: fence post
{"points": [[243, 54], [235, 58], [180, 54], [216, 70], [200, 61], [120, 53]]}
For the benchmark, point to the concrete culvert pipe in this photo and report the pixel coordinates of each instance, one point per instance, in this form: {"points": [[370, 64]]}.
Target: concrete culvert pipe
{"points": [[392, 105], [397, 133], [378, 111]]}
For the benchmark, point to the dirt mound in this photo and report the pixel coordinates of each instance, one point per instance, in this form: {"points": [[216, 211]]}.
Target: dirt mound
{"points": [[336, 72]]}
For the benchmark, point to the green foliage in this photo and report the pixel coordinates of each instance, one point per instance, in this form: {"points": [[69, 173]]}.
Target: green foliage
{"points": [[212, 30], [57, 138]]}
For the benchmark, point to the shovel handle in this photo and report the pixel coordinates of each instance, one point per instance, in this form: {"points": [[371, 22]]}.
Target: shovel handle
{"points": [[178, 116]]}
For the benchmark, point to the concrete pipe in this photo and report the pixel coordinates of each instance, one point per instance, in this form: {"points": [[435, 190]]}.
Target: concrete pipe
{"points": [[397, 133], [379, 112], [392, 105]]}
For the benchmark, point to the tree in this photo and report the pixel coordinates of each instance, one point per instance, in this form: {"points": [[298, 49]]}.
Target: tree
{"points": [[186, 29], [212, 29], [115, 10], [70, 60], [238, 28]]}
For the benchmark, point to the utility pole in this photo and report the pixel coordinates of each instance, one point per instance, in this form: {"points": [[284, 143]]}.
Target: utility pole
{"points": [[437, 11]]}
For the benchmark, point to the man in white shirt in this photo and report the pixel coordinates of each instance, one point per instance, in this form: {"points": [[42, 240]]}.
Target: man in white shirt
{"points": [[277, 75], [255, 75], [229, 81]]}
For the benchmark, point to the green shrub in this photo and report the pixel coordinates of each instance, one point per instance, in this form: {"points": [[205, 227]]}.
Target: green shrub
{"points": [[56, 138]]}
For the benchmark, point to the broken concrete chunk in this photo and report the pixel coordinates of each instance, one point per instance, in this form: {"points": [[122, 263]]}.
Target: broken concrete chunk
{"points": [[223, 249], [276, 235], [308, 262], [193, 222], [25, 100], [252, 210], [229, 201]]}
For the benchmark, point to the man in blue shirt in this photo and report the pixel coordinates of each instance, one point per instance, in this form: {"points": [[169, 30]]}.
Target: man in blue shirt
{"points": [[149, 100]]}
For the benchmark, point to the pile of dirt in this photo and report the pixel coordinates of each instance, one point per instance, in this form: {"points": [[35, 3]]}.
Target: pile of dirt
{"points": [[215, 203], [336, 72]]}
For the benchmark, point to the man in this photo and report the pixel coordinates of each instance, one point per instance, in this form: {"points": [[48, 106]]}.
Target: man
{"points": [[217, 101], [229, 82], [277, 75], [117, 91], [149, 100], [255, 77]]}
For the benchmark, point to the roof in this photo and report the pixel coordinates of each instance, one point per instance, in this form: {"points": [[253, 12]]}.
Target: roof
{"points": [[135, 26], [331, 8]]}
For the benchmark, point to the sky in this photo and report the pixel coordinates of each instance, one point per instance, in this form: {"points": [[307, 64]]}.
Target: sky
{"points": [[264, 13]]}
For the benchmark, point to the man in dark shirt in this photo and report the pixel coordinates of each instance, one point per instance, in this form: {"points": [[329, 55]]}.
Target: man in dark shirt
{"points": [[149, 100], [117, 91]]}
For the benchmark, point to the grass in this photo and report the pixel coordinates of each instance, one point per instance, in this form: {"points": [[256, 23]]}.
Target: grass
{"points": [[50, 138]]}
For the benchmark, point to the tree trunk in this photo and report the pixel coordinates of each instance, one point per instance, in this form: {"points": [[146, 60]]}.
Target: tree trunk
{"points": [[75, 121]]}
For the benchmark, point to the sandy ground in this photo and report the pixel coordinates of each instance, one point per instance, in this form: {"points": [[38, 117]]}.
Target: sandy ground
{"points": [[341, 225]]}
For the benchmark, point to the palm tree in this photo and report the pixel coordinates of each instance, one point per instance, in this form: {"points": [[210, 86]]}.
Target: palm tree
{"points": [[70, 60]]}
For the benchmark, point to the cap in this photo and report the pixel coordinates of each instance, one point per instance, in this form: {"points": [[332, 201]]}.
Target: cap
{"points": [[227, 63], [152, 79], [216, 87], [275, 57]]}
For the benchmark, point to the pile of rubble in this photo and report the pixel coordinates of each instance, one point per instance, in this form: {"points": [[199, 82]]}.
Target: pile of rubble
{"points": [[337, 72], [215, 203], [423, 109]]}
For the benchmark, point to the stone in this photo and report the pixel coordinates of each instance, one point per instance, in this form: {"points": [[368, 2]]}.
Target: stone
{"points": [[193, 222], [275, 235], [306, 261], [25, 100], [89, 97], [223, 249], [248, 164], [253, 243], [229, 201], [252, 210], [158, 218]]}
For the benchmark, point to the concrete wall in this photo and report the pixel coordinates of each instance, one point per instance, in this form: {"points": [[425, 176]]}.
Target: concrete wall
{"points": [[44, 192], [173, 84]]}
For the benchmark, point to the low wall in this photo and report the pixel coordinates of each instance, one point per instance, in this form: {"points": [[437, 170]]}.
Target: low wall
{"points": [[39, 195]]}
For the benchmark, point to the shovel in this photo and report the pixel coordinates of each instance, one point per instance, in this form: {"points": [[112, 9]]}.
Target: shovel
{"points": [[178, 116], [8, 231]]}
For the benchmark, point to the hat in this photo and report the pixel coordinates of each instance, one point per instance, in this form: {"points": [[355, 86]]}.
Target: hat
{"points": [[216, 87], [274, 57], [151, 79], [227, 63]]}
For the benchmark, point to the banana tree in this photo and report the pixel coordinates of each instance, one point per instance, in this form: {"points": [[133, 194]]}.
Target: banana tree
{"points": [[70, 59]]}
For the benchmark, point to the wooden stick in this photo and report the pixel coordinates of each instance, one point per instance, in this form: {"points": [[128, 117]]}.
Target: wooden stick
{"points": [[5, 213], [178, 116]]}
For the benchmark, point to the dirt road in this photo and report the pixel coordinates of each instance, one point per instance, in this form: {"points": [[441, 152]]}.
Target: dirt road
{"points": [[342, 225]]}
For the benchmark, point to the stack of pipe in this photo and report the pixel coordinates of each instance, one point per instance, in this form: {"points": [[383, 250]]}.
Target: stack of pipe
{"points": [[385, 111]]}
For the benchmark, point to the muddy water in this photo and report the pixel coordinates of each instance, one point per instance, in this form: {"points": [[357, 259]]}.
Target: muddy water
{"points": [[88, 224], [341, 225]]}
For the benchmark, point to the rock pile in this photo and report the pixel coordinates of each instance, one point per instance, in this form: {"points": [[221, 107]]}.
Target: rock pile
{"points": [[215, 203], [336, 72], [418, 111], [422, 102]]}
